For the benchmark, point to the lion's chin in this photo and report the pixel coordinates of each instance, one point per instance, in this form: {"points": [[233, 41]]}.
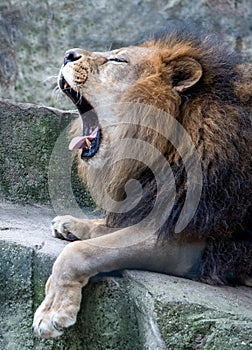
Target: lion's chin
{"points": [[90, 140]]}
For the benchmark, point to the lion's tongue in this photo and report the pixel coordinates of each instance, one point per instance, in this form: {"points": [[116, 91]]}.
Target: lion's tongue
{"points": [[83, 141]]}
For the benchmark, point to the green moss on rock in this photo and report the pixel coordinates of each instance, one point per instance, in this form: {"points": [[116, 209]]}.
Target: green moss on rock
{"points": [[190, 326], [111, 319], [28, 137]]}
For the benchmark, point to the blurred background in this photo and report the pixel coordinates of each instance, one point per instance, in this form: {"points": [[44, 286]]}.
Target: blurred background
{"points": [[35, 34]]}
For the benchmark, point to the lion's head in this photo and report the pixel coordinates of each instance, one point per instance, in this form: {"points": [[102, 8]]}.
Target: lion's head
{"points": [[151, 73], [190, 79]]}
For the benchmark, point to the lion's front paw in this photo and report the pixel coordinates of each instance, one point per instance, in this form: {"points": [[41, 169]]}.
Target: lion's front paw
{"points": [[64, 227], [57, 312]]}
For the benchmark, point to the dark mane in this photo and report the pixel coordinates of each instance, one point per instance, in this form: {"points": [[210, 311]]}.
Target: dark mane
{"points": [[216, 114]]}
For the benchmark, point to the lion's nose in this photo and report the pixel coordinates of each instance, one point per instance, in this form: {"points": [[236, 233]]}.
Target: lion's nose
{"points": [[71, 56]]}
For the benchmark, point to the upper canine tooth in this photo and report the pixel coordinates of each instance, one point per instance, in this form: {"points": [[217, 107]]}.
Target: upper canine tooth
{"points": [[65, 85]]}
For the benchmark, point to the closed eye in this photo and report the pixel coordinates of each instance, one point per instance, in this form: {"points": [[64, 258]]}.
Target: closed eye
{"points": [[117, 60]]}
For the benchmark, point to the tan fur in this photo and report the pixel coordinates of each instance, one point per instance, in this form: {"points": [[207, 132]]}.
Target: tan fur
{"points": [[210, 97]]}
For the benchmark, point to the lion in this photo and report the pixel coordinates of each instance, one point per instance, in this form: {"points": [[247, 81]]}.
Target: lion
{"points": [[164, 144]]}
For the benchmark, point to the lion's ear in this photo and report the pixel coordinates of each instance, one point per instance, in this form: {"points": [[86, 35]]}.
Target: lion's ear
{"points": [[186, 72]]}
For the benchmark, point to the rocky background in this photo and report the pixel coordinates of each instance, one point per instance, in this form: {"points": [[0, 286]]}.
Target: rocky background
{"points": [[35, 34]]}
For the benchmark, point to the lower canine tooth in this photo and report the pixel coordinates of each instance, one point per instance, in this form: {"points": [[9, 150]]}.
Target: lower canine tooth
{"points": [[88, 143]]}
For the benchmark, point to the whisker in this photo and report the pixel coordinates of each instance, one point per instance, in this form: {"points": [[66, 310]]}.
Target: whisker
{"points": [[79, 97], [55, 77], [56, 92], [110, 46]]}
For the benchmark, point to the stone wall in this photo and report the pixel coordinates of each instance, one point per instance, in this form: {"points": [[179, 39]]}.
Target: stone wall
{"points": [[35, 163], [35, 34], [133, 310]]}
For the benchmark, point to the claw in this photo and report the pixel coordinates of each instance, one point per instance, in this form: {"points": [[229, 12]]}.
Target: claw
{"points": [[57, 327], [71, 237], [57, 234]]}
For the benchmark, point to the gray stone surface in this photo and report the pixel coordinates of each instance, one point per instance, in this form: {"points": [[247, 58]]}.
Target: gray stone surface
{"points": [[29, 225], [35, 34], [191, 315], [135, 310], [27, 251], [35, 163]]}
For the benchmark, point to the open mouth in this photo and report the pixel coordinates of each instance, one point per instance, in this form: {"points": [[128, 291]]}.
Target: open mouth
{"points": [[90, 140]]}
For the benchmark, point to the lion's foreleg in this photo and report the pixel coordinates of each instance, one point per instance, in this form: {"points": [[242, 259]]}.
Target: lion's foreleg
{"points": [[75, 265], [127, 248]]}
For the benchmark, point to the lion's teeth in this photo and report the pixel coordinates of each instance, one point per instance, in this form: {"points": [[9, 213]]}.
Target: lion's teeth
{"points": [[66, 85], [88, 143]]}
